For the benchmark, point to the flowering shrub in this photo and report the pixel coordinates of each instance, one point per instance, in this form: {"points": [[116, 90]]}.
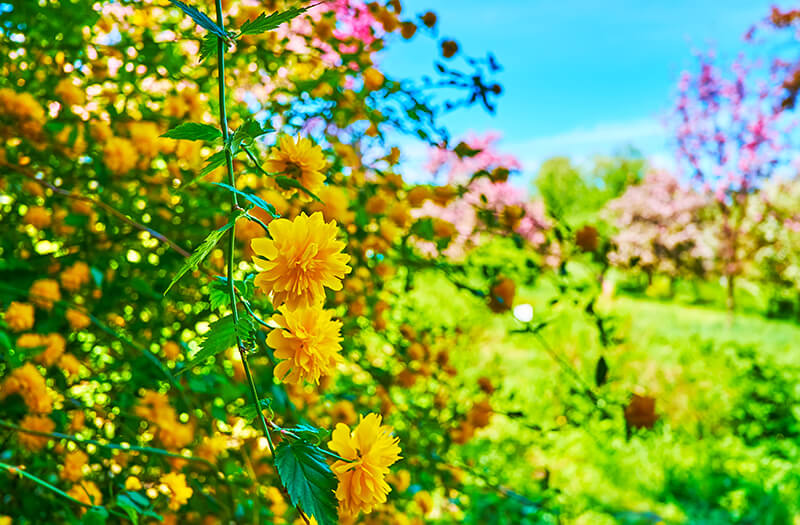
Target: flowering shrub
{"points": [[203, 264]]}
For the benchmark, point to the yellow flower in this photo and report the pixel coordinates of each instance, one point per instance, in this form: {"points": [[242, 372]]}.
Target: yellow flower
{"points": [[334, 205], [38, 217], [44, 293], [28, 383], [70, 365], [119, 155], [171, 350], [343, 412], [77, 320], [175, 486], [74, 463], [302, 258], [75, 276], [307, 341], [71, 94], [299, 159], [371, 450], [145, 138], [34, 442], [155, 408], [87, 492], [212, 447], [133, 483], [54, 345], [19, 316], [373, 79]]}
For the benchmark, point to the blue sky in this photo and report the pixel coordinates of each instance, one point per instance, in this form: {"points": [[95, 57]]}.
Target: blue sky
{"points": [[581, 77]]}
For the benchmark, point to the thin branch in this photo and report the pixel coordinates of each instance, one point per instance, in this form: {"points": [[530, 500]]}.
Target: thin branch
{"points": [[96, 202]]}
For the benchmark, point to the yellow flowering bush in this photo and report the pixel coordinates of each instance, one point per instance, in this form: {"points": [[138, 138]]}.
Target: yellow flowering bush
{"points": [[210, 250]]}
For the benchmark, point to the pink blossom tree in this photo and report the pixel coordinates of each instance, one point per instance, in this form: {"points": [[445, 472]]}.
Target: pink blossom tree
{"points": [[662, 227], [488, 198], [731, 136]]}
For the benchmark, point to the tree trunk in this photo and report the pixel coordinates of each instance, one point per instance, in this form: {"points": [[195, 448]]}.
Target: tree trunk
{"points": [[731, 302]]}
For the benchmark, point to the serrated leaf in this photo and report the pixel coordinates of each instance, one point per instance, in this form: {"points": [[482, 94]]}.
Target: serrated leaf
{"points": [[193, 131], [246, 133], [253, 199], [95, 516], [248, 411], [199, 254], [201, 19], [219, 294], [288, 183], [221, 335], [309, 480], [309, 433], [213, 162], [264, 22], [208, 47]]}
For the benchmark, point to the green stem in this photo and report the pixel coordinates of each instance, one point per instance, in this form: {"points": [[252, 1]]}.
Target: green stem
{"points": [[16, 470], [223, 121], [113, 446]]}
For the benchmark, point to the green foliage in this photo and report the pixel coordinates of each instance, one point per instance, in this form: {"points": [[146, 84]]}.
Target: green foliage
{"points": [[222, 334], [254, 200], [219, 293], [201, 19], [213, 162], [574, 196], [288, 183], [264, 22], [193, 131], [208, 47], [134, 505], [249, 411], [305, 473], [200, 253]]}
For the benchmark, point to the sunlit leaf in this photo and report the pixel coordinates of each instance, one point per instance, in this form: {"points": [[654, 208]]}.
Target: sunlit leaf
{"points": [[193, 131], [264, 22], [222, 334], [289, 183], [254, 199], [201, 19], [308, 478], [199, 254]]}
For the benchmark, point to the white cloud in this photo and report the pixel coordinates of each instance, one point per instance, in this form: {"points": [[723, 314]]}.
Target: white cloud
{"points": [[605, 138]]}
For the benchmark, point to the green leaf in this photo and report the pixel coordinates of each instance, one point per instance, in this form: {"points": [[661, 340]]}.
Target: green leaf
{"points": [[423, 229], [135, 505], [264, 22], [308, 478], [213, 162], [221, 335], [248, 411], [208, 47], [219, 294], [129, 508], [199, 254], [253, 199], [246, 133], [308, 433], [288, 182], [95, 516], [193, 131], [201, 19]]}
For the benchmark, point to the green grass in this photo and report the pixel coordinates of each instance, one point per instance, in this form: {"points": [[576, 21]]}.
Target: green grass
{"points": [[700, 464]]}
